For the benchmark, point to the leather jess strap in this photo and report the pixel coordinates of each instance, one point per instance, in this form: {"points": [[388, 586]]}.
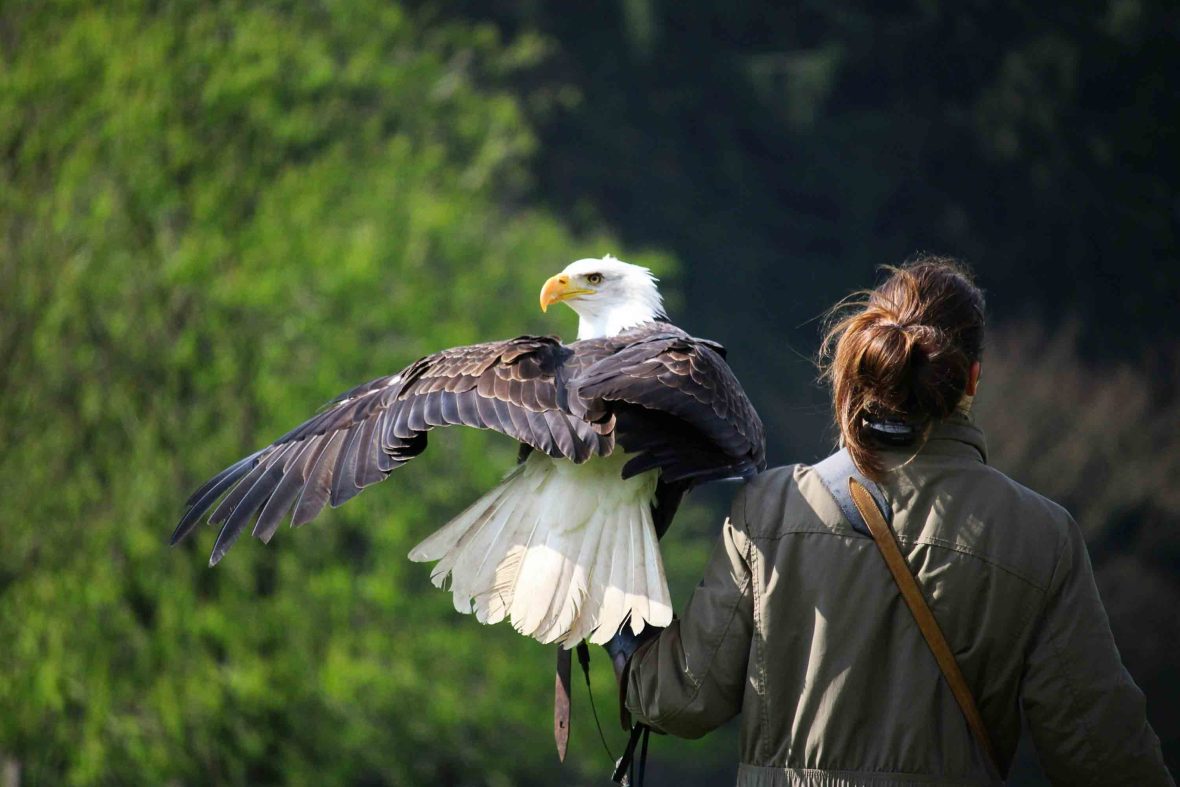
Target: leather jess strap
{"points": [[561, 701], [887, 544]]}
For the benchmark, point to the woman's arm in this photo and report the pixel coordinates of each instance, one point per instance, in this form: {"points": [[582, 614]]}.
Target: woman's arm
{"points": [[1087, 717], [690, 679]]}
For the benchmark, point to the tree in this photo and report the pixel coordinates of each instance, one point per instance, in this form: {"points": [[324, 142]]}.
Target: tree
{"points": [[214, 219]]}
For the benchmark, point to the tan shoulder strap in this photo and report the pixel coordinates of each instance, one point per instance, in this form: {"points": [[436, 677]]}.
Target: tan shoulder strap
{"points": [[887, 544]]}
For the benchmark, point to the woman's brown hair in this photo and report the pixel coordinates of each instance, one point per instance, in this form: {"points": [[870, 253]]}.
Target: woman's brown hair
{"points": [[903, 354]]}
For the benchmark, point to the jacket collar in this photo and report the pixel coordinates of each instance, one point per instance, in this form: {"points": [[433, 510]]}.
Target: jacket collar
{"points": [[955, 435]]}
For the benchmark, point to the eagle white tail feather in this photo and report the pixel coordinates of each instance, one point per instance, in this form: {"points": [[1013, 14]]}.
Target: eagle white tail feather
{"points": [[565, 551]]}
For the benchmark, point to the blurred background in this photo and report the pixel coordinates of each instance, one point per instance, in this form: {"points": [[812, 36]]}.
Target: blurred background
{"points": [[214, 218]]}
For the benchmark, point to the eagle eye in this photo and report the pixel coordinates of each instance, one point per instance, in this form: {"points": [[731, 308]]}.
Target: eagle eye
{"points": [[594, 278]]}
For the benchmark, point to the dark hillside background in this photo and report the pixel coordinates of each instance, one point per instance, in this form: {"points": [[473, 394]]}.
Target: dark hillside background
{"points": [[212, 219], [783, 151]]}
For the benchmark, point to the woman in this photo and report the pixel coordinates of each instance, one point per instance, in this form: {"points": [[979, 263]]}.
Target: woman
{"points": [[798, 625]]}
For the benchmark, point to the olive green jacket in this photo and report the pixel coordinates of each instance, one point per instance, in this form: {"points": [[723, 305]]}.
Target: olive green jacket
{"points": [[799, 625]]}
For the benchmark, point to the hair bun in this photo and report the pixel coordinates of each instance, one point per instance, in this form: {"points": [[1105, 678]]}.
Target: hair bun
{"points": [[928, 340], [906, 354]]}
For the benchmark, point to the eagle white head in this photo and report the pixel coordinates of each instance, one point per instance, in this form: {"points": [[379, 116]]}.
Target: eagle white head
{"points": [[609, 295]]}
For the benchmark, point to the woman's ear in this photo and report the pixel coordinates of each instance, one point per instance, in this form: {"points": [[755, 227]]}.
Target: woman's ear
{"points": [[973, 378]]}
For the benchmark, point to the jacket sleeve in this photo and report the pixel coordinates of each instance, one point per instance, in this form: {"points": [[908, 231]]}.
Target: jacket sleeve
{"points": [[691, 679], [1087, 717]]}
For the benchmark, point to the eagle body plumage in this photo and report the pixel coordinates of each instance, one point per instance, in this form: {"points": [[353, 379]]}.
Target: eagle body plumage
{"points": [[614, 429]]}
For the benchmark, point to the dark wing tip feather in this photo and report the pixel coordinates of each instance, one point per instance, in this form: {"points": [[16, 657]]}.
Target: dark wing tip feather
{"points": [[250, 504], [209, 493], [217, 479]]}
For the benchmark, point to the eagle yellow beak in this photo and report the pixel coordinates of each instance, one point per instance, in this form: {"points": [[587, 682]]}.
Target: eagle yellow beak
{"points": [[558, 289]]}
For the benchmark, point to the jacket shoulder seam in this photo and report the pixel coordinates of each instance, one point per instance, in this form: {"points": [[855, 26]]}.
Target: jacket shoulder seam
{"points": [[950, 546], [930, 541], [759, 649], [776, 481]]}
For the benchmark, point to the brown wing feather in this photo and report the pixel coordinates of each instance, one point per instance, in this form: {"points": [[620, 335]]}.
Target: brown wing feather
{"points": [[669, 398], [676, 401], [508, 386]]}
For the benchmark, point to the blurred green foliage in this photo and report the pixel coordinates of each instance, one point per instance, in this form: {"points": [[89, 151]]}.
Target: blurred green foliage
{"points": [[213, 220]]}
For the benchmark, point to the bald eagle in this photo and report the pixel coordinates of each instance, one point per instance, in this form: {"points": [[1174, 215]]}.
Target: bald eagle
{"points": [[614, 428]]}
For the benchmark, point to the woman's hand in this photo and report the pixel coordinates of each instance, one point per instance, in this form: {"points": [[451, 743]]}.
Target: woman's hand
{"points": [[624, 643]]}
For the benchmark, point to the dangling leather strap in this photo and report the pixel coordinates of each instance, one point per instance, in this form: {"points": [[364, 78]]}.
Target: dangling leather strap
{"points": [[561, 702], [886, 542]]}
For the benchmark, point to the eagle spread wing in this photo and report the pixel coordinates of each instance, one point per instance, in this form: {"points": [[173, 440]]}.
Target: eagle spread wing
{"points": [[659, 393]]}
